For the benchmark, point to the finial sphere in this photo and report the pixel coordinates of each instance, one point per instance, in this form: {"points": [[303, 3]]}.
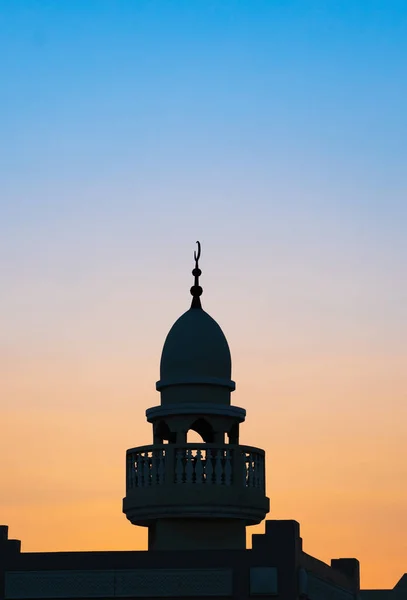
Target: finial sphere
{"points": [[196, 290]]}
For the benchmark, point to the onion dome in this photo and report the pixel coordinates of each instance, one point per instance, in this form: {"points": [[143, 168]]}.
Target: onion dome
{"points": [[196, 352]]}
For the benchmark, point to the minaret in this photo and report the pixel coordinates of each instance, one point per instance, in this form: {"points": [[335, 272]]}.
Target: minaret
{"points": [[195, 496]]}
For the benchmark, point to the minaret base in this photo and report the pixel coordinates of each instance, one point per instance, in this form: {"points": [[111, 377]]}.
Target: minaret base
{"points": [[197, 534]]}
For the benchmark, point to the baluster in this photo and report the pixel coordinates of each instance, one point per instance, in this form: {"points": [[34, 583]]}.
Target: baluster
{"points": [[251, 471], [179, 471], [128, 471], [245, 469], [146, 469], [218, 468], [228, 468], [199, 467], [208, 467], [254, 458], [139, 463], [262, 482], [161, 467], [169, 464], [189, 468], [133, 467], [260, 470], [154, 467]]}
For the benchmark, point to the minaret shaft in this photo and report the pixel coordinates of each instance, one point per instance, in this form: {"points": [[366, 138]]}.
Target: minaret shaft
{"points": [[195, 496]]}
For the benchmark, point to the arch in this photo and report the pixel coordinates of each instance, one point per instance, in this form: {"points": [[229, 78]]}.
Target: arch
{"points": [[162, 433], [203, 428]]}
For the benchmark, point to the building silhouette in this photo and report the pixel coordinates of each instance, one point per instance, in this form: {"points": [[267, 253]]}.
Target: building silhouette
{"points": [[196, 499]]}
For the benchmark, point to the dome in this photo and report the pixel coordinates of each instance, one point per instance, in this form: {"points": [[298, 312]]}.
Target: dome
{"points": [[196, 352]]}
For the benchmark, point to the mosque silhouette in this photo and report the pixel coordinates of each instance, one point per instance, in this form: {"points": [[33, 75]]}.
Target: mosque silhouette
{"points": [[196, 499]]}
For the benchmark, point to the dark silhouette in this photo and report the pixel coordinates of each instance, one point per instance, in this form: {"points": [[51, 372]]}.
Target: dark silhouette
{"points": [[196, 499]]}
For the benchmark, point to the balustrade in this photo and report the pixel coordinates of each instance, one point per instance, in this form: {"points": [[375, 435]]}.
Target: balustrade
{"points": [[197, 464]]}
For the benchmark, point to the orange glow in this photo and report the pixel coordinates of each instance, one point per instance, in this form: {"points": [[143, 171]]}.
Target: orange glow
{"points": [[334, 459]]}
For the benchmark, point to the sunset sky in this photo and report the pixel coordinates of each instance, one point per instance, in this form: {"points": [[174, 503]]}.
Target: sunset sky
{"points": [[274, 131]]}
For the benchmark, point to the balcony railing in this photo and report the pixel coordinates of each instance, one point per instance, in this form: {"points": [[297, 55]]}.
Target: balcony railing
{"points": [[195, 464]]}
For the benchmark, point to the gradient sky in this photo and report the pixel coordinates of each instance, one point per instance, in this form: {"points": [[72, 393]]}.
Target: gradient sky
{"points": [[276, 133]]}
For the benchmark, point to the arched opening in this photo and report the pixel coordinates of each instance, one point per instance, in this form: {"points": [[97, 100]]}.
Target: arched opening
{"points": [[163, 434], [200, 431], [193, 437]]}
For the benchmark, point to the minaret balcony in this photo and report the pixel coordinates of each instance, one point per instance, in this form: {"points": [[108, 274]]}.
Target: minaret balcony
{"points": [[195, 481]]}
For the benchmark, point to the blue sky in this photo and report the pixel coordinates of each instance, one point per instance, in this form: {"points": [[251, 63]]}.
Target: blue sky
{"points": [[177, 86], [275, 131]]}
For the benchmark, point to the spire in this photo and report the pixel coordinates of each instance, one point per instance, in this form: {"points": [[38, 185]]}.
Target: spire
{"points": [[196, 289]]}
